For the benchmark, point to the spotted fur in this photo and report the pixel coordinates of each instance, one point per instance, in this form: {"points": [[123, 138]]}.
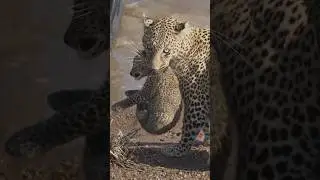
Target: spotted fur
{"points": [[271, 85]]}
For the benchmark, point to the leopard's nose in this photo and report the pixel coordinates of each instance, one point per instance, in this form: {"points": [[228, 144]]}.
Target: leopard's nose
{"points": [[135, 74]]}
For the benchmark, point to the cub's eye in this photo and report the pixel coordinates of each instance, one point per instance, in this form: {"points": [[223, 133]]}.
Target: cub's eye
{"points": [[167, 51]]}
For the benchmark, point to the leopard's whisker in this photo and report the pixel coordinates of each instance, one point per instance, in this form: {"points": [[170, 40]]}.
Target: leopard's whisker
{"points": [[130, 48], [230, 46], [226, 37], [138, 60], [140, 53], [234, 50], [94, 3], [129, 58], [80, 7], [133, 58], [78, 4], [134, 45], [133, 48], [79, 10], [132, 51], [80, 15]]}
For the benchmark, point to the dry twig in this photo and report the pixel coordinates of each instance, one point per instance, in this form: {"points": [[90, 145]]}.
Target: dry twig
{"points": [[119, 152]]}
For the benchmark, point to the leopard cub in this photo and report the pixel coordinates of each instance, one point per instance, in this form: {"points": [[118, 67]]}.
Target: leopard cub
{"points": [[158, 103]]}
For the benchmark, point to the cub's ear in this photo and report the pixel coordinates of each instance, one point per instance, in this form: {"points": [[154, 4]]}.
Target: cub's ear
{"points": [[147, 21], [181, 26]]}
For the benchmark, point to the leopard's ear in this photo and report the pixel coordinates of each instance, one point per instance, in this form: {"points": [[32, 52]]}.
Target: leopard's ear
{"points": [[181, 26], [147, 21]]}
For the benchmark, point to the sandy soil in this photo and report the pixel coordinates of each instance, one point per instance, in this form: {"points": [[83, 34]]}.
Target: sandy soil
{"points": [[150, 163]]}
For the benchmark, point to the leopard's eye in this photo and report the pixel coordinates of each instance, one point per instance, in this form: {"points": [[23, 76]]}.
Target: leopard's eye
{"points": [[166, 50]]}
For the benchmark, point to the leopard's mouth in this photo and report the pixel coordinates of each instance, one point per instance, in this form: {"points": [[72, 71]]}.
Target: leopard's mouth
{"points": [[138, 78], [142, 76]]}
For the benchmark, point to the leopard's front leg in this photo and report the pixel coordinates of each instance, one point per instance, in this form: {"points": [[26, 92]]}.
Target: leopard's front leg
{"points": [[190, 130], [195, 93]]}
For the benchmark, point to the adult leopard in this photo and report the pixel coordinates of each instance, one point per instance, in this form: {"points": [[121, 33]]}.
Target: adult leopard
{"points": [[268, 71], [169, 41], [158, 102]]}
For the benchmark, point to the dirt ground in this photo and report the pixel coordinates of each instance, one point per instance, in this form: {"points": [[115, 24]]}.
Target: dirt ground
{"points": [[150, 163]]}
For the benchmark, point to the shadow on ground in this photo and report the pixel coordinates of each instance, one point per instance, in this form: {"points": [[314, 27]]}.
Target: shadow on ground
{"points": [[149, 153], [146, 147]]}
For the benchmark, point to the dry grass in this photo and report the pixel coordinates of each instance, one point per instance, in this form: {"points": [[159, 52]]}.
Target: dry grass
{"points": [[120, 152], [123, 151]]}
